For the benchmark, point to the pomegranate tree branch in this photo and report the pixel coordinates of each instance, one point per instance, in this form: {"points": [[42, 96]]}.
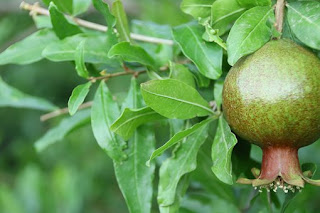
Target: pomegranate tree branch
{"points": [[63, 111], [279, 13], [111, 75], [36, 9]]}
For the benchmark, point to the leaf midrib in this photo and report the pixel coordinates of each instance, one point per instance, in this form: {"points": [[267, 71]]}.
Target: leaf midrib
{"points": [[122, 24], [226, 147], [200, 45], [180, 100], [133, 118], [228, 15]]}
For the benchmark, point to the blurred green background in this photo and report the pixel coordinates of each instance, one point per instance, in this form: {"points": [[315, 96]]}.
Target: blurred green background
{"points": [[74, 175]]}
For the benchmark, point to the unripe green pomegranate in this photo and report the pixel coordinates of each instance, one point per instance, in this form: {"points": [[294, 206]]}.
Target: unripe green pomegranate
{"points": [[272, 99]]}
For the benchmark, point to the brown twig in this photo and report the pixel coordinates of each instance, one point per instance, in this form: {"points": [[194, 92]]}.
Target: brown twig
{"points": [[36, 9], [111, 75], [63, 111], [279, 13]]}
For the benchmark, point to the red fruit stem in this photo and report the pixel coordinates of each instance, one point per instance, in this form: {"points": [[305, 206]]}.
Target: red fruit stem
{"points": [[281, 162]]}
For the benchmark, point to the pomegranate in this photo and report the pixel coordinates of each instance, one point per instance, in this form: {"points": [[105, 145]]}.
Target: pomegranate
{"points": [[271, 98]]}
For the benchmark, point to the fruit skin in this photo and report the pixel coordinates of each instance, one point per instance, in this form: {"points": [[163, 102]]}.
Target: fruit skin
{"points": [[271, 98]]}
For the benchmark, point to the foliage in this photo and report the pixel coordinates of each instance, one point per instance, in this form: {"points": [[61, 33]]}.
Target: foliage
{"points": [[156, 93]]}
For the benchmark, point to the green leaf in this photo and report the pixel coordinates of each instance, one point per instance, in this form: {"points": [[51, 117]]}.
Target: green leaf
{"points": [[249, 33], [9, 201], [11, 97], [122, 21], [201, 80], [151, 29], [217, 92], [42, 22], [204, 172], [104, 111], [304, 21], [64, 128], [79, 59], [103, 8], [178, 137], [206, 202], [61, 25], [63, 5], [183, 162], [131, 119], [29, 49], [181, 73], [206, 56], [222, 147], [288, 34], [174, 99], [95, 49], [254, 3], [180, 192], [161, 53], [133, 176], [77, 97], [197, 8], [80, 6], [131, 53], [224, 13]]}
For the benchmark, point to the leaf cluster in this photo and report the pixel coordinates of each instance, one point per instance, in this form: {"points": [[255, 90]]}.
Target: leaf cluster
{"points": [[178, 86]]}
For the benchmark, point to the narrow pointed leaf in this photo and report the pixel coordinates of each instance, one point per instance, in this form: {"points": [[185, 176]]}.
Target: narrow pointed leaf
{"points": [[95, 49], [174, 99], [77, 97], [122, 21], [103, 112], [183, 162], [64, 128], [206, 56], [197, 8], [222, 147], [249, 33], [178, 137], [304, 21], [79, 59], [103, 8], [11, 97], [131, 119], [131, 53], [61, 25], [29, 49], [217, 92], [133, 176]]}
